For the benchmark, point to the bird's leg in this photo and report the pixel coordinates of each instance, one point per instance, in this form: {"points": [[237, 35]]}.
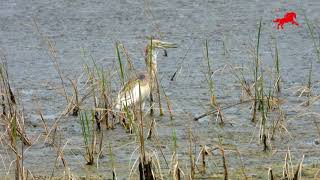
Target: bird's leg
{"points": [[122, 119], [151, 103]]}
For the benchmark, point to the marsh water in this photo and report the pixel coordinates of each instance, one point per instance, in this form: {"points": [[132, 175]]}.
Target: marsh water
{"points": [[231, 29]]}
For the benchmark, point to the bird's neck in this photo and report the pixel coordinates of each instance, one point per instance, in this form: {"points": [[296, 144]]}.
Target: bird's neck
{"points": [[151, 61]]}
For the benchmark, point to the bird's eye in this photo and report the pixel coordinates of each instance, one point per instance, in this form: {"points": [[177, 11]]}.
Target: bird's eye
{"points": [[142, 76]]}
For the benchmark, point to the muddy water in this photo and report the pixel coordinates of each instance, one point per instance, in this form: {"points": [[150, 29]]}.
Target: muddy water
{"points": [[95, 26]]}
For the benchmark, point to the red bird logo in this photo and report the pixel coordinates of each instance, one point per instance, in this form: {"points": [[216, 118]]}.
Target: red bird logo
{"points": [[288, 17]]}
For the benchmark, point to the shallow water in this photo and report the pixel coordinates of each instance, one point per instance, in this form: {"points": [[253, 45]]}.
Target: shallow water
{"points": [[95, 26]]}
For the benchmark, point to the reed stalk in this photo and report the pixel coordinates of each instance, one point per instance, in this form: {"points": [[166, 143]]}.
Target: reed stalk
{"points": [[313, 36], [309, 86], [277, 67], [210, 81], [114, 175], [256, 68], [88, 134], [150, 55], [128, 114]]}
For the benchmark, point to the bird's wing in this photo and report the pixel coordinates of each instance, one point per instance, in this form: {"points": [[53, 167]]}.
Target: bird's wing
{"points": [[130, 92], [126, 94], [129, 89], [130, 84]]}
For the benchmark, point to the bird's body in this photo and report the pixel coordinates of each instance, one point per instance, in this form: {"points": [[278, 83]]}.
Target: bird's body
{"points": [[129, 95], [141, 83]]}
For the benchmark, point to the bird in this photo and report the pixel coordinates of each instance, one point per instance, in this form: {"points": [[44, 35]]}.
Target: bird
{"points": [[137, 88]]}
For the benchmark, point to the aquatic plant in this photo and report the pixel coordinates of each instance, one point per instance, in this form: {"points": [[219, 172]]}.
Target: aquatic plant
{"points": [[256, 75], [89, 136]]}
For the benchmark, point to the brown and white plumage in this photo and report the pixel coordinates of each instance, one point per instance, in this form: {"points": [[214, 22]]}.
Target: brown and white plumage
{"points": [[129, 95]]}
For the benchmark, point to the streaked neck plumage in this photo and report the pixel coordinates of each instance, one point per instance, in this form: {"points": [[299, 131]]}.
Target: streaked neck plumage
{"points": [[151, 60]]}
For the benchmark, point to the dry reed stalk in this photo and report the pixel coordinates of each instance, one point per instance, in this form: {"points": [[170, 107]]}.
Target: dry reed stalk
{"points": [[74, 111], [191, 156], [224, 161], [13, 120], [151, 129], [297, 174], [43, 122], [145, 164], [175, 170], [52, 51], [145, 168], [204, 151], [159, 95], [270, 174], [256, 67]]}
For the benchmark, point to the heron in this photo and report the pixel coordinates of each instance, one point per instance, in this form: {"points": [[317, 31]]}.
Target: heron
{"points": [[137, 88]]}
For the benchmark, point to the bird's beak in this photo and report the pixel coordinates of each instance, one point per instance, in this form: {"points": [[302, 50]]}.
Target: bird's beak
{"points": [[166, 45]]}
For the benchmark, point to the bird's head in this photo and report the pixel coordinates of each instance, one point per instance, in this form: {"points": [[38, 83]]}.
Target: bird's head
{"points": [[151, 52], [154, 44]]}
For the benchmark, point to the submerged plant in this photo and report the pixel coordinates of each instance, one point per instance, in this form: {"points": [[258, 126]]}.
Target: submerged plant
{"points": [[89, 136], [263, 113], [210, 81]]}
